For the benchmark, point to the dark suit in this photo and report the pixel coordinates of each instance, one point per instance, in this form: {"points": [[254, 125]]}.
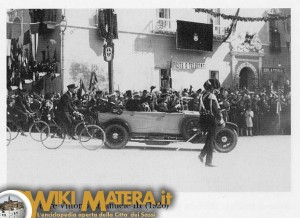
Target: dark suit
{"points": [[65, 109], [22, 104], [133, 105]]}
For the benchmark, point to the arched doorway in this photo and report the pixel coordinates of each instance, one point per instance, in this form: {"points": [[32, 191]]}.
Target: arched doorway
{"points": [[247, 78]]}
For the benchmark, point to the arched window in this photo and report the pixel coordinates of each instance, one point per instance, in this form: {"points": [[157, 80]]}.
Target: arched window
{"points": [[16, 28]]}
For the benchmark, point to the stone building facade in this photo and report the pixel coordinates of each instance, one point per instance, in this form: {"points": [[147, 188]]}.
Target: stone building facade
{"points": [[145, 52]]}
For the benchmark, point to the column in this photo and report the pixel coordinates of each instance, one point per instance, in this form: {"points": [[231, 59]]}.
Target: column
{"points": [[233, 63], [259, 71]]}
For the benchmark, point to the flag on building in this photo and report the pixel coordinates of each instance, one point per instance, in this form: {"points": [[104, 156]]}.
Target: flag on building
{"points": [[81, 89], [93, 81], [26, 39], [232, 28], [34, 30]]}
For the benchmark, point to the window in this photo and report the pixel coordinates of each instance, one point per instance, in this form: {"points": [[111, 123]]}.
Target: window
{"points": [[165, 79], [213, 74], [163, 16], [16, 28], [164, 13], [274, 36], [275, 41]]}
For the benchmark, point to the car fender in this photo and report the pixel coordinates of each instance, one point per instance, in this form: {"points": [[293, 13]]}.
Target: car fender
{"points": [[118, 121], [232, 126]]}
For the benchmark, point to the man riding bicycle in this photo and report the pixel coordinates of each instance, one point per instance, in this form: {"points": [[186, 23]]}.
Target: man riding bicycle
{"points": [[66, 109], [22, 109]]}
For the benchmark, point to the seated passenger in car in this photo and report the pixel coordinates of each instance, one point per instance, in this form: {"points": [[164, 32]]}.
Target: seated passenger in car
{"points": [[163, 103], [135, 103], [193, 104], [145, 101]]}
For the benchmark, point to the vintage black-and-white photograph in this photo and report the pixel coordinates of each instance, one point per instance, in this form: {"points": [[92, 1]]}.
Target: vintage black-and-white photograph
{"points": [[187, 99], [143, 97]]}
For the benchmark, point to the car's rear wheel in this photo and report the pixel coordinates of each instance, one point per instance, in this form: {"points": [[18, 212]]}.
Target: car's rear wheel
{"points": [[189, 127], [117, 136], [225, 139]]}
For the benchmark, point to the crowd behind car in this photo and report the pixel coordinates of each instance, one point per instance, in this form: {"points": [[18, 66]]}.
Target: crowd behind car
{"points": [[269, 111]]}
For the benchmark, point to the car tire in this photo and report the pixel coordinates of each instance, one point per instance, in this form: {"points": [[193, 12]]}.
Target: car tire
{"points": [[117, 136], [190, 127], [225, 139]]}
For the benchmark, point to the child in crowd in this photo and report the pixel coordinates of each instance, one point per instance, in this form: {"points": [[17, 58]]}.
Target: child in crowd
{"points": [[249, 115]]}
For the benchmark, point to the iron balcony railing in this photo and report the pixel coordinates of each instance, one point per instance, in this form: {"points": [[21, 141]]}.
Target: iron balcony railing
{"points": [[169, 27]]}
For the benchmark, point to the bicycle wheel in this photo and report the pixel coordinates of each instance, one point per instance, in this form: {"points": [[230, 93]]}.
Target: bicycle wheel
{"points": [[14, 129], [52, 136], [78, 128], [36, 128], [8, 136], [92, 137]]}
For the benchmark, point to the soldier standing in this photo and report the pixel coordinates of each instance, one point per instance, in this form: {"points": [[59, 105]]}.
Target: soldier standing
{"points": [[210, 117]]}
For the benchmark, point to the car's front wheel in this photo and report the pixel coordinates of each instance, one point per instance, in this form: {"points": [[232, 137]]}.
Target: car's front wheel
{"points": [[117, 136], [225, 139]]}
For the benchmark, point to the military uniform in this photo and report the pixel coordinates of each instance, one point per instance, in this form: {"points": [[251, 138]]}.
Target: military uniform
{"points": [[210, 116]]}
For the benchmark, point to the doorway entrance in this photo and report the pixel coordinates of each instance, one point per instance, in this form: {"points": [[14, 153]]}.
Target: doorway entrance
{"points": [[247, 78], [165, 79]]}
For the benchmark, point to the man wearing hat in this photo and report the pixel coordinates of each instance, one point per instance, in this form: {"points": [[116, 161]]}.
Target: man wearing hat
{"points": [[23, 108], [135, 103], [210, 117], [66, 108]]}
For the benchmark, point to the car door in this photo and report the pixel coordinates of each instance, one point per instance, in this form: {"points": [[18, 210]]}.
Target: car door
{"points": [[169, 123]]}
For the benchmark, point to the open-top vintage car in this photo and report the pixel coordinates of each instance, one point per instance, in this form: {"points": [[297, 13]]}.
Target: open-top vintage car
{"points": [[160, 128]]}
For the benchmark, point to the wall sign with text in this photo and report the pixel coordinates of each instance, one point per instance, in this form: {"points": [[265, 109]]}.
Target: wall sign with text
{"points": [[187, 65], [272, 70]]}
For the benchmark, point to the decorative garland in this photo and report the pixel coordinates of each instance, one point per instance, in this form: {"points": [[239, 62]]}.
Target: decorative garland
{"points": [[244, 19]]}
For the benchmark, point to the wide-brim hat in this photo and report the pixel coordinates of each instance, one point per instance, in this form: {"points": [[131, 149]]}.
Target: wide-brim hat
{"points": [[136, 94], [72, 86]]}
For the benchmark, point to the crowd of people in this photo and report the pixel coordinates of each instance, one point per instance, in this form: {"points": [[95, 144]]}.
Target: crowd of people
{"points": [[260, 112]]}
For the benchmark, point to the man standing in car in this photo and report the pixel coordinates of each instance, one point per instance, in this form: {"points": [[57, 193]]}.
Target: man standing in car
{"points": [[210, 117]]}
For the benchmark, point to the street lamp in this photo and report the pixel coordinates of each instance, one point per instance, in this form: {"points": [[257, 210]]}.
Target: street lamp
{"points": [[63, 24]]}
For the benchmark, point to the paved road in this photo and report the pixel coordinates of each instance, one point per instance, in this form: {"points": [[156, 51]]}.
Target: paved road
{"points": [[260, 163]]}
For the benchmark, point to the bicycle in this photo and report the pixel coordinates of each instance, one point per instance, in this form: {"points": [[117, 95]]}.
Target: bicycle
{"points": [[54, 135], [8, 136], [35, 127]]}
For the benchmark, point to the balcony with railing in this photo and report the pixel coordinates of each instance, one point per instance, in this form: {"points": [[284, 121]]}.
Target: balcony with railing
{"points": [[169, 27], [164, 26]]}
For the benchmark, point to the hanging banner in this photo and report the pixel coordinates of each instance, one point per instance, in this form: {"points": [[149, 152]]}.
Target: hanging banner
{"points": [[108, 52]]}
